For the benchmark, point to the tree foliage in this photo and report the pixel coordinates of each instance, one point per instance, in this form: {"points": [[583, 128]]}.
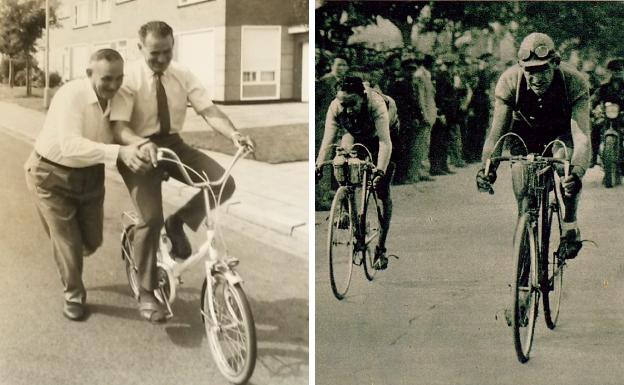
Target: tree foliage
{"points": [[22, 24], [595, 26]]}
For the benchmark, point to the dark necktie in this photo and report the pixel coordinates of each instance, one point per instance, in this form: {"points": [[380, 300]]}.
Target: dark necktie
{"points": [[163, 107]]}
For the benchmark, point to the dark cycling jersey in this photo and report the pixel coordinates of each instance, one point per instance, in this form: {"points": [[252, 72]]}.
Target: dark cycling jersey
{"points": [[541, 119]]}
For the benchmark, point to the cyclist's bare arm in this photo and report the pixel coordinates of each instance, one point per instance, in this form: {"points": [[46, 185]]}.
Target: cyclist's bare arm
{"points": [[501, 123], [581, 157], [382, 126], [329, 135], [219, 121]]}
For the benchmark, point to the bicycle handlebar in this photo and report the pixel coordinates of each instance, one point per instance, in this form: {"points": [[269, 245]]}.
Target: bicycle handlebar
{"points": [[531, 158], [166, 155]]}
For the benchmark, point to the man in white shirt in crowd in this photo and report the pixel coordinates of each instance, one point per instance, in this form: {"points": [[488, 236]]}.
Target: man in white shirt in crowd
{"points": [[65, 172], [152, 104]]}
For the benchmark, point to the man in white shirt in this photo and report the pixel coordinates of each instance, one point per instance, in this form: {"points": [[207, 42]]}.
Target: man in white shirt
{"points": [[152, 104], [66, 170]]}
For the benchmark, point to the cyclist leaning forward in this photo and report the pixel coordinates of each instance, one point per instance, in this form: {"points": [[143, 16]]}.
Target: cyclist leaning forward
{"points": [[365, 116], [542, 99]]}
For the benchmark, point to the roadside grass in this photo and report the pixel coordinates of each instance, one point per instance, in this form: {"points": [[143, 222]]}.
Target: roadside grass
{"points": [[276, 144], [17, 95]]}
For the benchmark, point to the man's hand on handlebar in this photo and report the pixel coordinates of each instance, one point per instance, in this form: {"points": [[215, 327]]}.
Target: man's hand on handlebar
{"points": [[149, 151], [134, 158], [318, 172], [485, 182], [378, 176], [571, 185], [241, 140]]}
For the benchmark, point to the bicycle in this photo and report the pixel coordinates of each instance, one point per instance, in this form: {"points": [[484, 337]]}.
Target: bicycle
{"points": [[538, 267], [355, 219], [224, 307]]}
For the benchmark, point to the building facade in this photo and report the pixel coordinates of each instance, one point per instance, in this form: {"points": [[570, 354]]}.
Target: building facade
{"points": [[242, 50]]}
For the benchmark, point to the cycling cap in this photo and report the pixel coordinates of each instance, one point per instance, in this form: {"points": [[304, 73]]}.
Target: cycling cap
{"points": [[535, 50], [353, 85]]}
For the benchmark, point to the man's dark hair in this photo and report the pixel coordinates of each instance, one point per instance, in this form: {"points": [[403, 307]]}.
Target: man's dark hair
{"points": [[108, 54], [352, 85], [157, 28]]}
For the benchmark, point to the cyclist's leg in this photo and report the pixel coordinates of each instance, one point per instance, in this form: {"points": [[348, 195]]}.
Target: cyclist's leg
{"points": [[383, 194], [192, 213], [146, 194], [571, 234]]}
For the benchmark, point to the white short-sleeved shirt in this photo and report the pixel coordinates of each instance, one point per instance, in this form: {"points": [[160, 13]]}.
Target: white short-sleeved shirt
{"points": [[76, 131], [136, 100]]}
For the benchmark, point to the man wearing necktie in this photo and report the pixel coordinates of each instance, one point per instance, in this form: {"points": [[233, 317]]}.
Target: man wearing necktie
{"points": [[152, 104]]}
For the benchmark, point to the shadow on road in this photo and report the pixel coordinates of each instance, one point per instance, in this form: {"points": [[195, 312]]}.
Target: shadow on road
{"points": [[282, 331]]}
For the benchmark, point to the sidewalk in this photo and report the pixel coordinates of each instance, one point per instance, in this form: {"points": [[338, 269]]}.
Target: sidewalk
{"points": [[271, 200]]}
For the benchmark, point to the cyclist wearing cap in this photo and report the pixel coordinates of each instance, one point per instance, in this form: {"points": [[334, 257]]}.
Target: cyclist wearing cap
{"points": [[367, 117], [542, 100]]}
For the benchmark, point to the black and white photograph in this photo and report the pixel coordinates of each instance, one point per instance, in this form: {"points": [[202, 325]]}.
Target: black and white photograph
{"points": [[468, 188], [155, 197]]}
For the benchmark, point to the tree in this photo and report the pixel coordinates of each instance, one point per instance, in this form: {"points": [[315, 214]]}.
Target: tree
{"points": [[22, 25]]}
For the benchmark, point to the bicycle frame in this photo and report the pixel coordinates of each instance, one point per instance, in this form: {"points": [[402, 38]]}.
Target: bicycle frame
{"points": [[365, 187], [214, 261]]}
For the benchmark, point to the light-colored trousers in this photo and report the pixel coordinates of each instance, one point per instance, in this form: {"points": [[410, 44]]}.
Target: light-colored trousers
{"points": [[70, 205]]}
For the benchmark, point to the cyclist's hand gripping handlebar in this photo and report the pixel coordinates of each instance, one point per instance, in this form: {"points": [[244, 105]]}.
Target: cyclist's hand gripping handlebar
{"points": [[486, 177]]}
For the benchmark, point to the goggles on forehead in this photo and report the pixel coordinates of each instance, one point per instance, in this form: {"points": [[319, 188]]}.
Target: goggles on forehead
{"points": [[541, 52]]}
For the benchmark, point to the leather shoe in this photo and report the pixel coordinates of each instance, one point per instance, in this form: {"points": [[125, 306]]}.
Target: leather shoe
{"points": [[437, 172], [180, 245], [426, 178], [74, 311]]}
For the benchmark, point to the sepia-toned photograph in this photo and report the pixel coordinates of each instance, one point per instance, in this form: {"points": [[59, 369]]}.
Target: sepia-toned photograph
{"points": [[155, 197], [468, 169]]}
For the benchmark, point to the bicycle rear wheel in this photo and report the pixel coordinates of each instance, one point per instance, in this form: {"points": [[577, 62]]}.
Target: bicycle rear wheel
{"points": [[371, 225], [525, 290], [232, 338], [340, 244], [552, 286], [127, 254]]}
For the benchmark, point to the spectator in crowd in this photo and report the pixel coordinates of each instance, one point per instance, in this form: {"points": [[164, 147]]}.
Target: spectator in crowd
{"points": [[402, 91], [589, 69], [425, 92], [447, 101], [479, 108]]}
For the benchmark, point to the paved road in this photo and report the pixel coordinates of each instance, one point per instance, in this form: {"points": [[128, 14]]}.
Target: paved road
{"points": [[114, 346], [436, 315]]}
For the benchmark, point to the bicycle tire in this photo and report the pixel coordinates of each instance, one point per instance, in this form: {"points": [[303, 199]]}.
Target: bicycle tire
{"points": [[524, 281], [236, 365], [371, 225], [127, 254], [610, 164], [340, 243], [552, 266]]}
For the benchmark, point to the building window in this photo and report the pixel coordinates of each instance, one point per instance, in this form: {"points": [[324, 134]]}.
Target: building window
{"points": [[189, 2], [81, 14], [260, 62], [101, 11], [120, 46], [62, 12]]}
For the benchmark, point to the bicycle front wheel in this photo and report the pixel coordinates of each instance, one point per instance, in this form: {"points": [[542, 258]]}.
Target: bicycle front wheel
{"points": [[232, 332], [340, 244], [552, 287], [525, 290], [371, 224]]}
